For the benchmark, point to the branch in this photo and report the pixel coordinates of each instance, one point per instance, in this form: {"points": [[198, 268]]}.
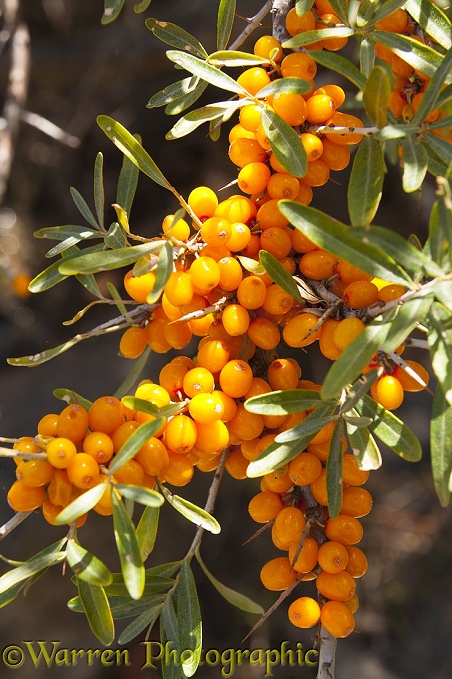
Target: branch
{"points": [[279, 11], [10, 525], [253, 23]]}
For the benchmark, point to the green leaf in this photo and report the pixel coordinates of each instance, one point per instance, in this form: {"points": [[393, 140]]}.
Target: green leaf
{"points": [[97, 610], [364, 447], [69, 396], [144, 496], [99, 197], [366, 10], [432, 19], [306, 38], [234, 58], [132, 149], [162, 273], [439, 322], [225, 22], [192, 512], [432, 91], [169, 639], [391, 430], [384, 9], [284, 402], [333, 236], [133, 444], [376, 96], [410, 314], [238, 600], [106, 260], [47, 557], [43, 356], [82, 504], [309, 426], [358, 388], [141, 6], [366, 182], [47, 279], [334, 470], [146, 619], [188, 620], [153, 584], [87, 566], [443, 293], [397, 131], [303, 6], [147, 530], [67, 231], [280, 275], [441, 446], [340, 8], [128, 549], [176, 37], [83, 208], [194, 119], [418, 55], [173, 92], [440, 147], [289, 85], [285, 143], [182, 103], [366, 56], [112, 9], [206, 72], [415, 164], [134, 374], [339, 64], [127, 184], [357, 355]]}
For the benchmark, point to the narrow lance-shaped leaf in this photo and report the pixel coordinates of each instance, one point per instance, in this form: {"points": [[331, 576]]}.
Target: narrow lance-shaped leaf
{"points": [[99, 197], [194, 119], [133, 444], [284, 402], [235, 58], [376, 95], [290, 85], [192, 512], [141, 6], [146, 619], [415, 163], [176, 37], [440, 148], [366, 182], [285, 143], [147, 530], [162, 272], [366, 56], [410, 314], [69, 396], [45, 558], [83, 208], [308, 427], [308, 37], [82, 504], [172, 92], [303, 6], [364, 447], [238, 600], [365, 12], [188, 620], [112, 9], [106, 260], [205, 71], [384, 9], [340, 8], [418, 55], [336, 62], [132, 149], [87, 566], [128, 549], [169, 639], [225, 22], [432, 19], [279, 274], [334, 470], [97, 611], [357, 355], [439, 322], [441, 446], [141, 494], [333, 236], [127, 183], [180, 104], [67, 231], [432, 91]]}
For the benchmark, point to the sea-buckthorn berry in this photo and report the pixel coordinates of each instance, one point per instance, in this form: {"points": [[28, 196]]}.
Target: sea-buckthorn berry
{"points": [[106, 414], [299, 330], [212, 437], [352, 603], [34, 473], [50, 511], [240, 237], [290, 107], [238, 131], [275, 164], [408, 382], [228, 403], [388, 392], [337, 619], [99, 445], [396, 103], [204, 273], [324, 434], [251, 292], [339, 119], [416, 102], [244, 425], [235, 319], [61, 452], [356, 501], [264, 333], [335, 43], [335, 156], [336, 586], [153, 457], [47, 425], [139, 287], [349, 273], [269, 215], [312, 144], [289, 262], [133, 342], [304, 612], [299, 65], [258, 387], [237, 208], [396, 22], [326, 342], [253, 247], [215, 231], [302, 243], [276, 241], [156, 337], [357, 561], [317, 265], [122, 433], [171, 378], [352, 475], [236, 378], [213, 355], [83, 471], [180, 434], [344, 529], [332, 557], [250, 117], [206, 408], [320, 107], [277, 574], [296, 23], [306, 560], [154, 393], [390, 292], [263, 140], [360, 294], [336, 93], [179, 471], [283, 185], [304, 469], [265, 506], [179, 288], [289, 524], [203, 202], [254, 79], [277, 301], [180, 230], [23, 498], [131, 473], [198, 381], [236, 464], [253, 177], [231, 273], [166, 311], [347, 330], [73, 422], [282, 374], [317, 173], [243, 151], [59, 489], [178, 335], [268, 47], [209, 464]]}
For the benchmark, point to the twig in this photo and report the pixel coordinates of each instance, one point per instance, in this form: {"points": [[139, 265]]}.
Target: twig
{"points": [[272, 608], [10, 525], [253, 23], [327, 657], [49, 128], [279, 12]]}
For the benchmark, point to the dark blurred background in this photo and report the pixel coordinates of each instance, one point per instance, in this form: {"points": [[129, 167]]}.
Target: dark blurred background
{"points": [[79, 69]]}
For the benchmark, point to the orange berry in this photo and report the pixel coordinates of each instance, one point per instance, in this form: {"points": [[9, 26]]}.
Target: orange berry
{"points": [[299, 65], [212, 437], [357, 561], [317, 265], [34, 473], [277, 574], [388, 392], [240, 237], [47, 425], [352, 475], [360, 294], [236, 378], [236, 464], [59, 489], [61, 452], [215, 231], [278, 480], [23, 498], [204, 273], [245, 426], [179, 471], [288, 525], [326, 341], [298, 331], [290, 107], [206, 408], [276, 241], [73, 422], [230, 273], [99, 445], [139, 287], [396, 22], [253, 177], [312, 145], [356, 501], [277, 301], [347, 330], [332, 557], [179, 288], [198, 381], [306, 560], [83, 471], [269, 216], [282, 373], [337, 619], [408, 382], [268, 47], [133, 342], [237, 208], [180, 434], [304, 612], [304, 469], [179, 230], [336, 157], [296, 24], [235, 319], [336, 586], [344, 529], [339, 119], [243, 151], [203, 202], [153, 457], [106, 414], [254, 79], [251, 292], [320, 108], [317, 173], [265, 506], [264, 333], [130, 473]]}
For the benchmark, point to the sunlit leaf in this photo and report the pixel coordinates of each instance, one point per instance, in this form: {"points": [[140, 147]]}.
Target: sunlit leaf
{"points": [[144, 496], [334, 470], [106, 260], [432, 19], [285, 143], [176, 37], [364, 447], [303, 6], [112, 9], [194, 119], [234, 58], [415, 164], [147, 530], [99, 197], [143, 621], [97, 610], [82, 504], [410, 314], [45, 558], [128, 549], [69, 397], [290, 85], [418, 55], [172, 92], [433, 89], [188, 619], [191, 512], [133, 444], [141, 6], [366, 10], [225, 22], [306, 38], [397, 131], [376, 96], [162, 273], [279, 274], [308, 427], [439, 321], [87, 566], [284, 402], [441, 446], [366, 182], [366, 56], [203, 70], [83, 208], [180, 104], [339, 64]]}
